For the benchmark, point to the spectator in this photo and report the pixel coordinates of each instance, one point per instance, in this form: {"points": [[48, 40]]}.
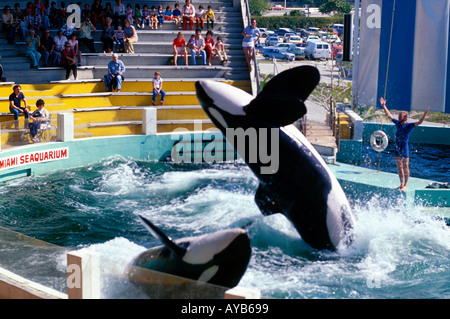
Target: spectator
{"points": [[118, 38], [153, 18], [97, 13], [7, 24], [251, 34], [119, 13], [115, 77], [210, 18], [129, 13], [130, 37], [17, 12], [86, 34], [108, 12], [198, 48], [168, 15], [33, 43], [137, 15], [60, 41], [220, 50], [39, 6], [145, 16], [73, 42], [28, 9], [68, 61], [177, 15], [160, 16], [209, 46], [157, 88], [54, 16], [34, 20], [68, 30], [200, 17], [179, 47], [188, 15], [107, 36], [50, 56], [15, 100], [62, 12], [39, 116], [86, 13]]}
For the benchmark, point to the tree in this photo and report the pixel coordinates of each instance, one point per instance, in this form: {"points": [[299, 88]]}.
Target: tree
{"points": [[257, 7], [335, 6]]}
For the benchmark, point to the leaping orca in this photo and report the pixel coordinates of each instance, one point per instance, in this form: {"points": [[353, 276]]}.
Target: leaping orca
{"points": [[300, 186], [220, 258]]}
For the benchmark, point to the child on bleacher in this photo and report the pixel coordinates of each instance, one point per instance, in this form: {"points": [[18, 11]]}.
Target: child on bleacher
{"points": [[210, 18], [153, 18], [145, 16], [200, 17], [220, 50], [129, 13], [53, 17], [160, 16], [177, 15], [118, 38], [62, 13], [168, 16], [137, 15]]}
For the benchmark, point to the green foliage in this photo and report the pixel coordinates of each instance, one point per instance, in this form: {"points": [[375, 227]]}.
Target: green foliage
{"points": [[257, 7], [335, 6], [275, 22]]}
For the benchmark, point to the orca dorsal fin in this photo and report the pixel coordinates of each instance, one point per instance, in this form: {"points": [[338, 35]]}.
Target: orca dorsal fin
{"points": [[166, 240], [281, 102]]}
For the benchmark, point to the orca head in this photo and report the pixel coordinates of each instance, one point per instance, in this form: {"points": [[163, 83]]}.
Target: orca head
{"points": [[220, 258], [222, 102]]}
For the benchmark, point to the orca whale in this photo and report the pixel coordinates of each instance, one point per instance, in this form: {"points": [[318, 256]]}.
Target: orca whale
{"points": [[300, 186], [220, 258]]}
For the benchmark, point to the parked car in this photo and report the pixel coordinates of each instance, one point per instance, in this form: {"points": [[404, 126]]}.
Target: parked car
{"points": [[299, 52], [318, 50], [274, 53], [312, 38], [335, 49], [332, 38], [272, 40], [277, 7], [267, 33], [282, 31], [287, 36], [295, 39]]}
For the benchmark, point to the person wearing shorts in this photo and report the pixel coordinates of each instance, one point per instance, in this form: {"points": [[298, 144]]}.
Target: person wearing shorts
{"points": [[179, 47], [401, 151], [251, 35]]}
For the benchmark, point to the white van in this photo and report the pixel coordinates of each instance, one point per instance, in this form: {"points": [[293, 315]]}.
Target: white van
{"points": [[318, 50]]}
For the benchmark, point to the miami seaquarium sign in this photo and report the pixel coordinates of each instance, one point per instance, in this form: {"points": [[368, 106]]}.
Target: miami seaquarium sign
{"points": [[34, 158]]}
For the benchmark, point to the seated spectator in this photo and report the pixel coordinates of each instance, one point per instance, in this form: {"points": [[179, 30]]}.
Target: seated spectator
{"points": [[34, 21], [68, 30], [86, 13], [107, 36], [188, 15], [60, 41], [209, 46], [68, 61], [153, 18], [86, 34], [39, 116], [177, 15], [15, 100], [210, 18], [129, 13], [50, 55], [97, 13], [54, 16], [118, 39], [119, 13], [137, 15], [39, 6], [145, 16], [33, 43], [168, 15], [115, 77], [157, 88], [198, 48], [200, 17], [220, 50], [108, 12], [7, 24], [160, 16], [17, 12], [130, 37], [73, 42], [179, 47]]}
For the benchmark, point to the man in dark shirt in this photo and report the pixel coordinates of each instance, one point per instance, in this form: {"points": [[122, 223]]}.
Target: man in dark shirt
{"points": [[50, 56], [15, 100], [402, 134]]}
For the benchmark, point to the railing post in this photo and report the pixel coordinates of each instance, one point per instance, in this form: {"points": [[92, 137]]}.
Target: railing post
{"points": [[65, 127], [83, 275], [149, 121]]}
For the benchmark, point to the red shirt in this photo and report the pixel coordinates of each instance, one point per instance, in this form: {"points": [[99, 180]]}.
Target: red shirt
{"points": [[179, 43]]}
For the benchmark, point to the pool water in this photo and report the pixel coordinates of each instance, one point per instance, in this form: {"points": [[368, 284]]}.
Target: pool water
{"points": [[397, 253]]}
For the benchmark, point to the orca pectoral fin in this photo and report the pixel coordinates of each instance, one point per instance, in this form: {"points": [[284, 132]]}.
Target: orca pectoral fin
{"points": [[281, 102], [166, 240], [266, 202]]}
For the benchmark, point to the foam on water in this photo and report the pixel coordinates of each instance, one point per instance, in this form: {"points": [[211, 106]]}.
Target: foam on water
{"points": [[397, 252]]}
